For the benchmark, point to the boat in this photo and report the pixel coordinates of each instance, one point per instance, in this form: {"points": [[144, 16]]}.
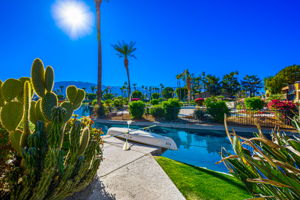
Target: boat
{"points": [[142, 136]]}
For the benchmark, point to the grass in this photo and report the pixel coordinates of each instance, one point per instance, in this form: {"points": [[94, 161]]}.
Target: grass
{"points": [[199, 183]]}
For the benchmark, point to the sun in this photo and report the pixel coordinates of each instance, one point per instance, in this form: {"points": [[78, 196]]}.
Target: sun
{"points": [[74, 17]]}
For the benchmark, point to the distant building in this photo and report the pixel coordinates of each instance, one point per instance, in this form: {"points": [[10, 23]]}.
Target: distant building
{"points": [[292, 92]]}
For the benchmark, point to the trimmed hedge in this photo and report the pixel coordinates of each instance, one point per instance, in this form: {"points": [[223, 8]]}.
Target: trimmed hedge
{"points": [[254, 103], [137, 109], [171, 108], [217, 109], [157, 111]]}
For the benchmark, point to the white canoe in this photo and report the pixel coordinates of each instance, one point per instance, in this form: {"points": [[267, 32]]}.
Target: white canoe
{"points": [[143, 137]]}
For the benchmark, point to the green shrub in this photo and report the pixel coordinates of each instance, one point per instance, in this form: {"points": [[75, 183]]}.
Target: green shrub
{"points": [[154, 101], [108, 96], [91, 96], [275, 97], [137, 94], [217, 109], [254, 103], [51, 155], [157, 111], [199, 115], [209, 100], [137, 109], [160, 99], [118, 103], [270, 169], [168, 92], [155, 95], [171, 108]]}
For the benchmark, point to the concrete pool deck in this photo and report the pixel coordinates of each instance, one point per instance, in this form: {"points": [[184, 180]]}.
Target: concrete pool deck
{"points": [[129, 175]]}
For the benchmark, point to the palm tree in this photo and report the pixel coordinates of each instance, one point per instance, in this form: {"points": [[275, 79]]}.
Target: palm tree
{"points": [[93, 88], [134, 86], [161, 87], [99, 82], [62, 89], [186, 76], [126, 51]]}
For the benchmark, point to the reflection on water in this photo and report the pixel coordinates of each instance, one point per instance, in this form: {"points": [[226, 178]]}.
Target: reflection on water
{"points": [[199, 148]]}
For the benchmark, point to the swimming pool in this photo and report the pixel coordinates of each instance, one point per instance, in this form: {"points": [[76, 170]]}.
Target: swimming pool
{"points": [[195, 147]]}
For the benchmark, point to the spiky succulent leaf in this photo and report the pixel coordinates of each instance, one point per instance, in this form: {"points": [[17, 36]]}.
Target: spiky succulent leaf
{"points": [[11, 115], [49, 101], [38, 77], [49, 78], [11, 89]]}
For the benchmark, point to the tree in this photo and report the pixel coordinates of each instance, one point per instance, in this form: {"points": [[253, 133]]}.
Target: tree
{"points": [[62, 88], [168, 92], [137, 94], [99, 82], [230, 83], [93, 88], [251, 84], [288, 75], [182, 93], [126, 51], [212, 84], [161, 87], [134, 86], [186, 76]]}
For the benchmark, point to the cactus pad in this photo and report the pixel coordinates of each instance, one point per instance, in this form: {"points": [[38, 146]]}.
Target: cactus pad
{"points": [[11, 115], [14, 138], [49, 101], [84, 140], [38, 111], [1, 96], [72, 93], [38, 77], [69, 110], [79, 98], [49, 78], [11, 89]]}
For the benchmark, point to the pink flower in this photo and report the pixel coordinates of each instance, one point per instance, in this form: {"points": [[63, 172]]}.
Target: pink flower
{"points": [[135, 99]]}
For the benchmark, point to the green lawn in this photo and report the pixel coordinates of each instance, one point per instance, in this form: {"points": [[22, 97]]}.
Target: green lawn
{"points": [[199, 183]]}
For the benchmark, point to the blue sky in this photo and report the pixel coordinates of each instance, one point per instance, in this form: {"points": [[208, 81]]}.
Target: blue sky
{"points": [[216, 36]]}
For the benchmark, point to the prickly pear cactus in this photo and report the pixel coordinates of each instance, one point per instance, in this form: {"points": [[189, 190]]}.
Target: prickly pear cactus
{"points": [[52, 154]]}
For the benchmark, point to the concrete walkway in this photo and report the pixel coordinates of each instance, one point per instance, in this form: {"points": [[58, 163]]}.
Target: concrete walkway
{"points": [[129, 175]]}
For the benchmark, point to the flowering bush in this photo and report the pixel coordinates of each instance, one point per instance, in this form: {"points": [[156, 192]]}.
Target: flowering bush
{"points": [[135, 99], [285, 109], [281, 105], [199, 101]]}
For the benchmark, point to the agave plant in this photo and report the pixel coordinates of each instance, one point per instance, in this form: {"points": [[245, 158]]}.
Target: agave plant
{"points": [[268, 167]]}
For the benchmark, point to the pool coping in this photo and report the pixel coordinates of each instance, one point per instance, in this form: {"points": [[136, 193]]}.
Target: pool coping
{"points": [[201, 126]]}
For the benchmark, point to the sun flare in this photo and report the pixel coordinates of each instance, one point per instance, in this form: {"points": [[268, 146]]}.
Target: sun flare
{"points": [[74, 17]]}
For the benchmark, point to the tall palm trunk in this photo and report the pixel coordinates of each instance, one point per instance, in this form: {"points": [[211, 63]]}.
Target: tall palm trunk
{"points": [[188, 84], [126, 63], [99, 83]]}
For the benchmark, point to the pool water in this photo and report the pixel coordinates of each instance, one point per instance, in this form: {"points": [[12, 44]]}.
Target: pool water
{"points": [[199, 148]]}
